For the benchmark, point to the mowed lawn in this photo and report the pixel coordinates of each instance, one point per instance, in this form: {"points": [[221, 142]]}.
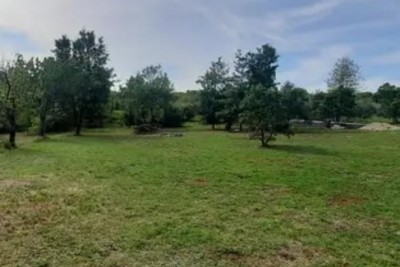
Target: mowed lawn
{"points": [[109, 198]]}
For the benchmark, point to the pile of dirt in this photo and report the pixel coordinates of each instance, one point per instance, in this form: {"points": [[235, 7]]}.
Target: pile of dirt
{"points": [[377, 126], [337, 127]]}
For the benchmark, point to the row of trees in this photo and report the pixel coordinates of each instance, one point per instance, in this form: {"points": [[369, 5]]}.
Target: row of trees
{"points": [[72, 88], [250, 95], [56, 92]]}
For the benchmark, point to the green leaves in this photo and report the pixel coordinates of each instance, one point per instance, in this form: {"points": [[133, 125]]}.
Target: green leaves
{"points": [[147, 95]]}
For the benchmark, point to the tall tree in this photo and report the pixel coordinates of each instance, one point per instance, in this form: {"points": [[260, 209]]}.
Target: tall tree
{"points": [[343, 82], [87, 79], [388, 96], [234, 93], [213, 83], [11, 91], [44, 79], [262, 105], [345, 73]]}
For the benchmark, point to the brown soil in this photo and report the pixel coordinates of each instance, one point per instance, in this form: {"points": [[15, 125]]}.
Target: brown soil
{"points": [[200, 182], [346, 201], [376, 126], [14, 183], [289, 255]]}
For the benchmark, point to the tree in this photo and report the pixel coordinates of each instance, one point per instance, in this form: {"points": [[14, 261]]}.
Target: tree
{"points": [[263, 110], [213, 83], [388, 96], [345, 74], [87, 79], [262, 105], [295, 101], [317, 105], [11, 82], [365, 105], [147, 96], [44, 79], [189, 103], [340, 102], [234, 93]]}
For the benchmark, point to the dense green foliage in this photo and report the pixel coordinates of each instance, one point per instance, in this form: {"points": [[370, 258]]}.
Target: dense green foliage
{"points": [[72, 89]]}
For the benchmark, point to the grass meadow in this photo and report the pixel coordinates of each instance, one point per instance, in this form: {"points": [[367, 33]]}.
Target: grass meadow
{"points": [[110, 198]]}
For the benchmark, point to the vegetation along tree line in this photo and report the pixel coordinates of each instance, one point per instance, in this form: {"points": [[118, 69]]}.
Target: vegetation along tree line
{"points": [[72, 89]]}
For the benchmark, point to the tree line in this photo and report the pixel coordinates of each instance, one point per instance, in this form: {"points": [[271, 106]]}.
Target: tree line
{"points": [[72, 89], [250, 95]]}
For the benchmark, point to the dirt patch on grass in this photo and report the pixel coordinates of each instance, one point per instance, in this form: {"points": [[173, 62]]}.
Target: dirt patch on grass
{"points": [[289, 255], [201, 182], [276, 192], [377, 126], [346, 201], [14, 183]]}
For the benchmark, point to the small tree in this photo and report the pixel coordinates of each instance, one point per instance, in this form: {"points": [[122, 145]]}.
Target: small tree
{"points": [[295, 101], [147, 96], [263, 110], [340, 102], [317, 105], [365, 105], [388, 96]]}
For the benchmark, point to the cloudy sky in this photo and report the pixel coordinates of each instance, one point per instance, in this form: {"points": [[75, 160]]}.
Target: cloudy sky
{"points": [[186, 35]]}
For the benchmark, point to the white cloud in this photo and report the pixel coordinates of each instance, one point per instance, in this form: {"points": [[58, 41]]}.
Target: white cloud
{"points": [[311, 73], [143, 32], [373, 83], [392, 58]]}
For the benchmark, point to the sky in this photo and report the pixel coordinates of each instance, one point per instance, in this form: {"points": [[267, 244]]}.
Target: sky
{"points": [[184, 36]]}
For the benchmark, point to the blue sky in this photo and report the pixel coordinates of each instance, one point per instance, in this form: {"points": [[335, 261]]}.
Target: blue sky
{"points": [[186, 35]]}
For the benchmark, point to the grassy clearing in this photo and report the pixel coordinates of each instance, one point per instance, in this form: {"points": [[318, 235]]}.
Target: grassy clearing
{"points": [[206, 199]]}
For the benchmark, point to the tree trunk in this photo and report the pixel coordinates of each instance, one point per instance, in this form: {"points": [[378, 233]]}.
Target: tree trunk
{"points": [[12, 129], [78, 125], [10, 113], [228, 127], [213, 126], [78, 129], [151, 116], [265, 140], [42, 130], [241, 127], [263, 143]]}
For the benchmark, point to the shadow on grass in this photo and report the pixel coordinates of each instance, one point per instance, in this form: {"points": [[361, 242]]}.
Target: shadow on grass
{"points": [[108, 138], [304, 150]]}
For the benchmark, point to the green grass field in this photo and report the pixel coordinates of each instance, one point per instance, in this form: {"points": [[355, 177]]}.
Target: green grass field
{"points": [[205, 199]]}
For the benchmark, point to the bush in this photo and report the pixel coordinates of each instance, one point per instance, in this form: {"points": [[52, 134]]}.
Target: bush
{"points": [[117, 118], [35, 126]]}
